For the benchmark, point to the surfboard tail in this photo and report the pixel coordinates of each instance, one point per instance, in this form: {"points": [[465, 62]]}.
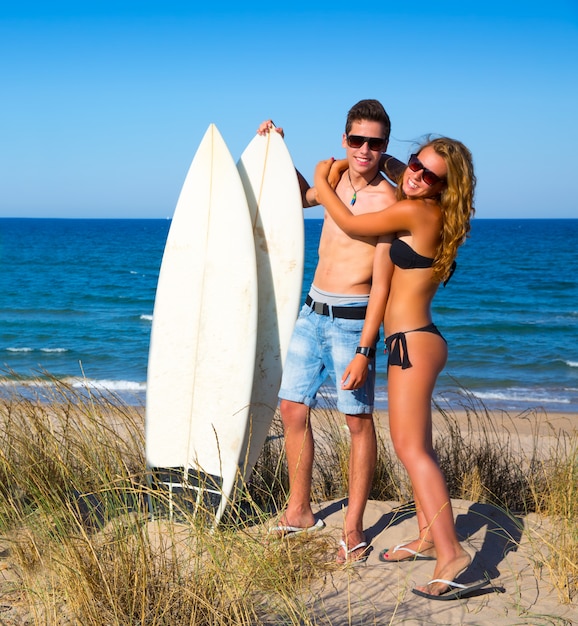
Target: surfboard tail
{"points": [[178, 492]]}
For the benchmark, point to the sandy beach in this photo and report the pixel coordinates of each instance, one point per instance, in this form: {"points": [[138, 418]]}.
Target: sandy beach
{"points": [[527, 431], [504, 547], [522, 427]]}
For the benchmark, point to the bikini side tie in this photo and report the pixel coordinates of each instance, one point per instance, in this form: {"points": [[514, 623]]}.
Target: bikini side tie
{"points": [[392, 343]]}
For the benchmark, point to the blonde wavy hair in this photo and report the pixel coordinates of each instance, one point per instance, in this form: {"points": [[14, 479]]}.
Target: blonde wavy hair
{"points": [[456, 202]]}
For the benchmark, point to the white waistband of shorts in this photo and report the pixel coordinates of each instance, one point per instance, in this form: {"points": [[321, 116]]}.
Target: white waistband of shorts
{"points": [[337, 299]]}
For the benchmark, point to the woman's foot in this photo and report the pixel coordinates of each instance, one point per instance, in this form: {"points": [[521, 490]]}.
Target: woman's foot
{"points": [[448, 571], [420, 548]]}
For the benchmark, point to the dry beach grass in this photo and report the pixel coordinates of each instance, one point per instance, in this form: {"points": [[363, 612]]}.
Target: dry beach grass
{"points": [[78, 546]]}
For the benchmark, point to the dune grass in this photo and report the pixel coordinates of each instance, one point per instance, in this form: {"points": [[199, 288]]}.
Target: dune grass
{"points": [[81, 547], [76, 530], [555, 496]]}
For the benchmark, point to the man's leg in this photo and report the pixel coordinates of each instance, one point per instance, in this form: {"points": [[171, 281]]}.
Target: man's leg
{"points": [[362, 460], [357, 405], [299, 449]]}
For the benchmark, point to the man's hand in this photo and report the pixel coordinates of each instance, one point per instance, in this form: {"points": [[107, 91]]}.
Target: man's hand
{"points": [[268, 125], [355, 373]]}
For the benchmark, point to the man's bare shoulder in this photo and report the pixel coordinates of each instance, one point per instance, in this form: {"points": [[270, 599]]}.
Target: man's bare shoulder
{"points": [[387, 190]]}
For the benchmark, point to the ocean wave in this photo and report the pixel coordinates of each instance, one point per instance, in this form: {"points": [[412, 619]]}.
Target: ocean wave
{"points": [[75, 383], [148, 318], [18, 382], [47, 350], [520, 395], [44, 389], [106, 385], [571, 363], [500, 398]]}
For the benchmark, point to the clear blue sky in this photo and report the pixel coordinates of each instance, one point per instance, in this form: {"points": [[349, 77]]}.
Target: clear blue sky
{"points": [[104, 102]]}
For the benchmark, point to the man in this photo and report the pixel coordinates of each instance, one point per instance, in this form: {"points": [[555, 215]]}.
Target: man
{"points": [[328, 332]]}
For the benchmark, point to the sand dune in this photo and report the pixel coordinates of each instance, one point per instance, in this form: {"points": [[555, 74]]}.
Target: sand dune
{"points": [[502, 546]]}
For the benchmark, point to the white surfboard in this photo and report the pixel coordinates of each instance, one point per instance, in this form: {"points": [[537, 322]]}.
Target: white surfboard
{"points": [[202, 348], [274, 199]]}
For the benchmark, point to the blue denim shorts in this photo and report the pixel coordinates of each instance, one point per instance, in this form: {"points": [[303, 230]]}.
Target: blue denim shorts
{"points": [[322, 346]]}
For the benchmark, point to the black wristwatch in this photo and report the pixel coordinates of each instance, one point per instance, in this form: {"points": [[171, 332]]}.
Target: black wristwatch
{"points": [[368, 352]]}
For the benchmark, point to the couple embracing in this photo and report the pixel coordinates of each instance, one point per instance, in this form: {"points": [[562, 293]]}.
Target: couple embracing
{"points": [[383, 252]]}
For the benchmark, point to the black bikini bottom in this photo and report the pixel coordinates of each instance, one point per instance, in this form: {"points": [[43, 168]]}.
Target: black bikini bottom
{"points": [[397, 343]]}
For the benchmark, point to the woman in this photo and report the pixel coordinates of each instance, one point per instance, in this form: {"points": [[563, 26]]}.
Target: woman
{"points": [[430, 221]]}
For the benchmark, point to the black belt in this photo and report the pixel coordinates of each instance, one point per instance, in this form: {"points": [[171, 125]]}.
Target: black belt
{"points": [[344, 312]]}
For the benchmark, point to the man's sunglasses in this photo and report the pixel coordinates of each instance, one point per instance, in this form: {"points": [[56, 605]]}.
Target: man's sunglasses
{"points": [[415, 165], [376, 144]]}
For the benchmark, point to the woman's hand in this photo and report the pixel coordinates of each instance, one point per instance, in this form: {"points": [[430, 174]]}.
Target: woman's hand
{"points": [[336, 172], [321, 183], [322, 170], [355, 373]]}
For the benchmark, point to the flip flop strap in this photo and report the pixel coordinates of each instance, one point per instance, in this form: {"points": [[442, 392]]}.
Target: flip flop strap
{"points": [[361, 544], [401, 546], [450, 583]]}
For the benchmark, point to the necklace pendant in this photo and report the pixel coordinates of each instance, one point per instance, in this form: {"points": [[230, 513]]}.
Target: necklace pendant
{"points": [[353, 199]]}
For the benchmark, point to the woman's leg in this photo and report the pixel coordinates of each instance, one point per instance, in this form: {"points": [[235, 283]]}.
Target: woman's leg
{"points": [[409, 399], [423, 544]]}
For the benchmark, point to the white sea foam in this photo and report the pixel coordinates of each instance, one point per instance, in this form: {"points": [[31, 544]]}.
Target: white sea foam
{"points": [[46, 350], [520, 395], [499, 397], [77, 383], [107, 385], [148, 318], [571, 363]]}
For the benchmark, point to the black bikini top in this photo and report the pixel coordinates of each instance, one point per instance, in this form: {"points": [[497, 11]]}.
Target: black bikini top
{"points": [[404, 256]]}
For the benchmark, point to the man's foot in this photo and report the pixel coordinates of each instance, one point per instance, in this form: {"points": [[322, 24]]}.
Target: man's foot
{"points": [[353, 549], [444, 577], [287, 530], [417, 550]]}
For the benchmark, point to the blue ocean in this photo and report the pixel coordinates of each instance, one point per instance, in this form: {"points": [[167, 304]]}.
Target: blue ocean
{"points": [[77, 297]]}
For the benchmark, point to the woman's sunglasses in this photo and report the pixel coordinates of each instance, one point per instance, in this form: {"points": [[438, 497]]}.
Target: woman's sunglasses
{"points": [[415, 165], [376, 144]]}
